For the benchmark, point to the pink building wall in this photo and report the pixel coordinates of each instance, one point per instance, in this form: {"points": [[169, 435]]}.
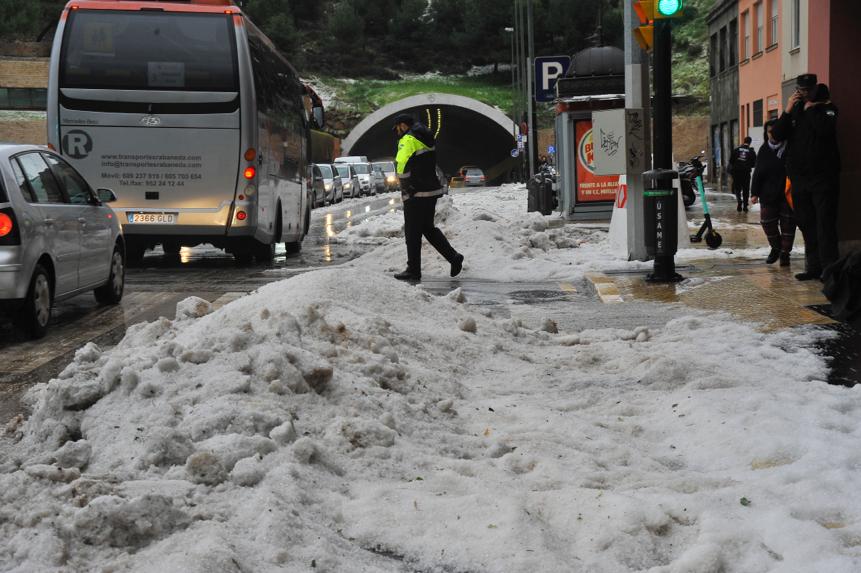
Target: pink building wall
{"points": [[759, 74]]}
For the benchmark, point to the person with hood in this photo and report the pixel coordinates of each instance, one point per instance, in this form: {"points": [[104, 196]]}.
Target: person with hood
{"points": [[741, 161], [769, 189], [420, 189], [809, 126]]}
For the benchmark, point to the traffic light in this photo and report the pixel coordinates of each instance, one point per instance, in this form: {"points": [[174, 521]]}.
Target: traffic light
{"points": [[668, 9], [645, 33]]}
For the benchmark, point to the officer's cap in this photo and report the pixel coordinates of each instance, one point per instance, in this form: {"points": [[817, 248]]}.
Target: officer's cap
{"points": [[404, 118], [806, 81]]}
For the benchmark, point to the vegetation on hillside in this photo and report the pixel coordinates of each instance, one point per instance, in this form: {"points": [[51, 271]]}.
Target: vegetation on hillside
{"points": [[400, 39]]}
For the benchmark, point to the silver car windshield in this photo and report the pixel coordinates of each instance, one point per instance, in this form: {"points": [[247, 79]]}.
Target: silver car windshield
{"points": [[344, 171], [361, 168], [386, 166], [326, 171]]}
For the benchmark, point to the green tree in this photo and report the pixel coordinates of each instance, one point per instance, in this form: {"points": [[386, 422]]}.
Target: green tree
{"points": [[275, 18], [345, 26]]}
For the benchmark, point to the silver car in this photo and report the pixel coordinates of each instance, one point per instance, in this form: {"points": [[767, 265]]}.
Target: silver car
{"points": [[349, 179], [326, 185], [58, 238]]}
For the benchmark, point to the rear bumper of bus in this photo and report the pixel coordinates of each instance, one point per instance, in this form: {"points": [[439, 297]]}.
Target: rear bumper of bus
{"points": [[225, 221]]}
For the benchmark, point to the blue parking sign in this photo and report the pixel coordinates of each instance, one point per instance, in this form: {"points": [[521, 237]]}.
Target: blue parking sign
{"points": [[551, 149], [547, 71]]}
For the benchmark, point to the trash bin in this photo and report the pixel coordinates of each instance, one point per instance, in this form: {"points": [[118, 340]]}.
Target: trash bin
{"points": [[541, 197], [660, 222]]}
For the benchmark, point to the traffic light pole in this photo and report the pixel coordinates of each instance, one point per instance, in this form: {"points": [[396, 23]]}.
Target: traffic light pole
{"points": [[663, 55], [661, 201]]}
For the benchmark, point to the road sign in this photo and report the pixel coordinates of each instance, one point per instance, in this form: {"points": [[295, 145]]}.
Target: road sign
{"points": [[515, 152], [551, 149], [547, 71]]}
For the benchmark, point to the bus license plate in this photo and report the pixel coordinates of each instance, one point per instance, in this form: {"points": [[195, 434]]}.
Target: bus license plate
{"points": [[153, 218]]}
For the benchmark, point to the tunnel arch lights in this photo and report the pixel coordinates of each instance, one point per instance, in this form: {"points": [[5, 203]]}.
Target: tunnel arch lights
{"points": [[428, 101]]}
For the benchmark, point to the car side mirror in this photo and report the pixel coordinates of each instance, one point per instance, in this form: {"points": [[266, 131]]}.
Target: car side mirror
{"points": [[319, 117], [106, 195]]}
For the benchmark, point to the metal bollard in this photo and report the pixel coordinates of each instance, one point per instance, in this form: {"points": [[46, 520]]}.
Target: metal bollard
{"points": [[661, 215]]}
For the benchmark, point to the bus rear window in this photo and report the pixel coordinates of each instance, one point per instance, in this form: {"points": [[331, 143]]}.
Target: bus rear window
{"points": [[134, 50]]}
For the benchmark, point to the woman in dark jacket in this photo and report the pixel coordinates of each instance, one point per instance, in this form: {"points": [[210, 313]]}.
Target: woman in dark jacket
{"points": [[769, 189]]}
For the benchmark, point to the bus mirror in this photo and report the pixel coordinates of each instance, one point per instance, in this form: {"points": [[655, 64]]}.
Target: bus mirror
{"points": [[319, 117], [106, 195]]}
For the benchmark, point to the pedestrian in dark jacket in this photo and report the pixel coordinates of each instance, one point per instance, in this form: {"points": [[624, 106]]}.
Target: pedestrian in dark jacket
{"points": [[769, 189], [809, 126], [420, 189], [741, 161]]}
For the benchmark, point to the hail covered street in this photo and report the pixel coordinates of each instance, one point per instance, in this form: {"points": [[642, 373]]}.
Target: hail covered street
{"points": [[153, 289]]}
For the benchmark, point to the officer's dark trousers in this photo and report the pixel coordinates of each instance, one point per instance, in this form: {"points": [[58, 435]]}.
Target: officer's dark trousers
{"points": [[741, 187], [418, 221], [815, 206]]}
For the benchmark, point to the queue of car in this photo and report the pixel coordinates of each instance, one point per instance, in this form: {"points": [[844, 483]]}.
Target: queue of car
{"points": [[350, 177]]}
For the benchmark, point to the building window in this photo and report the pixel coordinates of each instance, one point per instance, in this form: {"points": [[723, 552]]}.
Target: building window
{"points": [[757, 113], [745, 26], [796, 23], [733, 43], [714, 55], [24, 98], [772, 23], [758, 24], [772, 114], [723, 49]]}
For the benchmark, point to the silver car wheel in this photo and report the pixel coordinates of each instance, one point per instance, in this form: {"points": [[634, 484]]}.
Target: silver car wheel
{"points": [[42, 300]]}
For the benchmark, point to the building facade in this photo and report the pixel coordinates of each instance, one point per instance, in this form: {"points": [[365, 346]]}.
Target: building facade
{"points": [[724, 88], [759, 70]]}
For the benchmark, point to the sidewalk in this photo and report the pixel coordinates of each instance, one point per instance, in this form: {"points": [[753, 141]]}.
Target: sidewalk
{"points": [[742, 285]]}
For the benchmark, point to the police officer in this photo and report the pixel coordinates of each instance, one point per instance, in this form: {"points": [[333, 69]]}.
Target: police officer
{"points": [[420, 189], [809, 125], [741, 161]]}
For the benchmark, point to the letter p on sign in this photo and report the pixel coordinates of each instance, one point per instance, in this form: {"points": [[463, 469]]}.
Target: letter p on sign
{"points": [[547, 71]]}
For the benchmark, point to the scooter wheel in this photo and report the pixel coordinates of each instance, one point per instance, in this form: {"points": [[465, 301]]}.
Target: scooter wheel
{"points": [[713, 239]]}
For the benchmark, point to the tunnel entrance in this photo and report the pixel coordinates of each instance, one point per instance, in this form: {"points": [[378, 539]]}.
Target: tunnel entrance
{"points": [[467, 131]]}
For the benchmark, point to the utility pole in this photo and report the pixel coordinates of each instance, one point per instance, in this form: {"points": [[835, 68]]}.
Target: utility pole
{"points": [[637, 96], [530, 63]]}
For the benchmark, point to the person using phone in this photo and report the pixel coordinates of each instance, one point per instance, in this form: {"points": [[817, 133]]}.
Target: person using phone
{"points": [[809, 126]]}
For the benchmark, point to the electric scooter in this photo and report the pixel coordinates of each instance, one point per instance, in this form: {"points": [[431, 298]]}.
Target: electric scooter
{"points": [[713, 238]]}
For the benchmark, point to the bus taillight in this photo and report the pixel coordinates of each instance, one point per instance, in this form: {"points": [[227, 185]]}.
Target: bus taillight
{"points": [[240, 215], [249, 172], [250, 154]]}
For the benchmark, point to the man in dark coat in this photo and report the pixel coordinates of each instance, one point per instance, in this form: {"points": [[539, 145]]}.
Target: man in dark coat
{"points": [[809, 125], [769, 189], [420, 189], [741, 161]]}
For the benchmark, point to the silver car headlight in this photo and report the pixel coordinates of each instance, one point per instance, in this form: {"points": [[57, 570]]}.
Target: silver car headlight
{"points": [[391, 179], [327, 186]]}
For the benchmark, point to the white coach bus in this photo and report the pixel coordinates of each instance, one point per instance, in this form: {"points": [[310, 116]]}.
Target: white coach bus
{"points": [[191, 116]]}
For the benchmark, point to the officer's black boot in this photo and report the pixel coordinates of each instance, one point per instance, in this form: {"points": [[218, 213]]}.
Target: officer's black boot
{"points": [[408, 275]]}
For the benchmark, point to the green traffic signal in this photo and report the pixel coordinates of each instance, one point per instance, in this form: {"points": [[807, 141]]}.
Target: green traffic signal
{"points": [[667, 8]]}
